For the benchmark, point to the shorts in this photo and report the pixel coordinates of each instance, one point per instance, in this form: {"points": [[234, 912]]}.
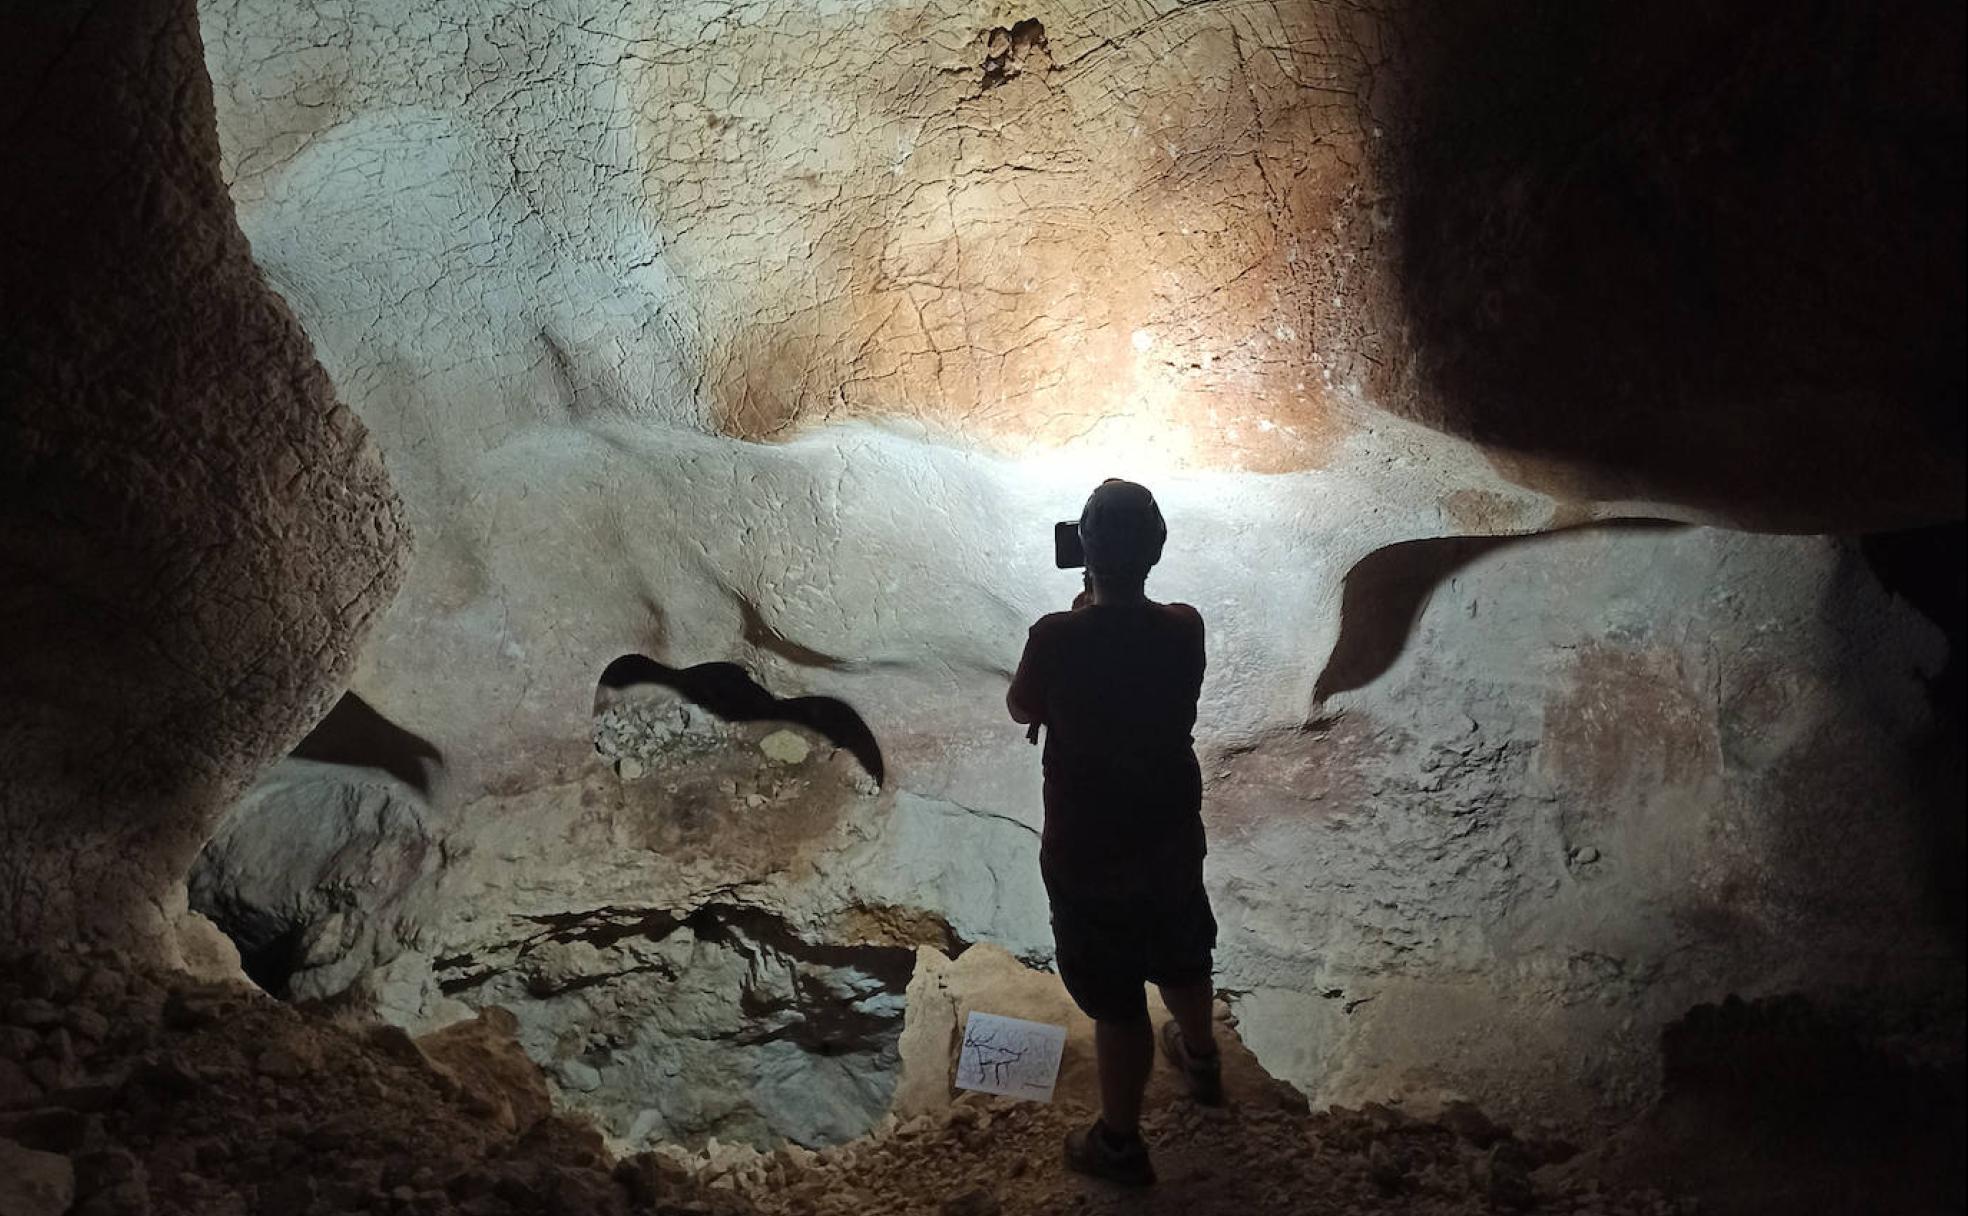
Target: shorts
{"points": [[1109, 948]]}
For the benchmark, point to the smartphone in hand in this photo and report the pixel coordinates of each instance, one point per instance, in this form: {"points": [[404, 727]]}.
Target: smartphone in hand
{"points": [[1067, 552]]}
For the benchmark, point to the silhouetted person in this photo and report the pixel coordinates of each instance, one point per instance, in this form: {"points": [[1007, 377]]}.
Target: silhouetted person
{"points": [[1115, 683]]}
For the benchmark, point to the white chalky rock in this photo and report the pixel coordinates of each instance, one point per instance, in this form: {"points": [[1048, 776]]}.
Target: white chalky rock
{"points": [[785, 747], [576, 1075]]}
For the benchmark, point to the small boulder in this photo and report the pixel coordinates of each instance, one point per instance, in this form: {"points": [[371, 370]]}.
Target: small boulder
{"points": [[1471, 1125], [484, 1060], [85, 1098], [187, 1009], [86, 1023], [18, 1043], [578, 1075], [785, 747], [977, 1202], [282, 1063], [56, 1129], [34, 1183], [1506, 1178], [34, 1013], [105, 1168], [16, 1087]]}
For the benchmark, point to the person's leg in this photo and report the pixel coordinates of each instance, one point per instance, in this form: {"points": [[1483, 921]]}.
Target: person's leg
{"points": [[1125, 1053], [1192, 1007], [1189, 1040], [1093, 940], [1183, 974]]}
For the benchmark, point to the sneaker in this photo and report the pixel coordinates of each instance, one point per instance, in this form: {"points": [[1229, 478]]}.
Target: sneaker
{"points": [[1204, 1073], [1098, 1153]]}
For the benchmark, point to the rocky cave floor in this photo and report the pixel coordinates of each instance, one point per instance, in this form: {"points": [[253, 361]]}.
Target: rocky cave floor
{"points": [[125, 1091]]}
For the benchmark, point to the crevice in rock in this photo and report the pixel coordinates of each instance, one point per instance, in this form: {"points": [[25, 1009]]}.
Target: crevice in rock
{"points": [[1924, 567], [758, 632], [729, 691], [269, 961], [354, 734], [1011, 51]]}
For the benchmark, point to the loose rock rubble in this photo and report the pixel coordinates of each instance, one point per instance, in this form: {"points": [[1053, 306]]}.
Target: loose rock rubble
{"points": [[126, 1093], [997, 1157], [637, 736]]}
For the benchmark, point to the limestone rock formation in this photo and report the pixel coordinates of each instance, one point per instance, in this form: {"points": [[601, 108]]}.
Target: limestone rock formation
{"points": [[774, 341], [194, 533], [483, 1062], [1586, 785], [172, 1097], [185, 1098], [317, 875], [719, 1025]]}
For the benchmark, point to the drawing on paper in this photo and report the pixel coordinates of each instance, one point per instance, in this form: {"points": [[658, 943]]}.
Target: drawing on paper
{"points": [[1010, 1056]]}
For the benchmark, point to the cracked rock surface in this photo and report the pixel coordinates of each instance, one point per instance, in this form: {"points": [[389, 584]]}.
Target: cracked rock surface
{"points": [[195, 534]]}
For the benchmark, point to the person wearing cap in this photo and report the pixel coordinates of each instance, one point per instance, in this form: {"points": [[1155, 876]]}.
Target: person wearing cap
{"points": [[1115, 682]]}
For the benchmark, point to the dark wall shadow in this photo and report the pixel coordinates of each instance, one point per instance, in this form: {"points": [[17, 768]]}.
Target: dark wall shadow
{"points": [[354, 733], [1698, 251], [1382, 599], [1386, 590], [1928, 568], [1833, 1102], [728, 690]]}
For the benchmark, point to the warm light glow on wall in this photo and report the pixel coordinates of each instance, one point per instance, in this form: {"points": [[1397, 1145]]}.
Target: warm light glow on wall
{"points": [[1137, 444], [1141, 433]]}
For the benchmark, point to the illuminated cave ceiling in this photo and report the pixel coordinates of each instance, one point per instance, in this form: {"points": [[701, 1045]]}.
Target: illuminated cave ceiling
{"points": [[779, 335], [1206, 235]]}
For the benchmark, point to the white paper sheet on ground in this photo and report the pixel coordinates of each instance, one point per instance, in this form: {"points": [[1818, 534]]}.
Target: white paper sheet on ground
{"points": [[1010, 1056]]}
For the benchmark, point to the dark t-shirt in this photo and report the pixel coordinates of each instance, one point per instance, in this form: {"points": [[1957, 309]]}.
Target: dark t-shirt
{"points": [[1116, 687]]}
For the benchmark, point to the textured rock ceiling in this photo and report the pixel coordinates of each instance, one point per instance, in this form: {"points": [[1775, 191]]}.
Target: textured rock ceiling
{"points": [[1221, 235]]}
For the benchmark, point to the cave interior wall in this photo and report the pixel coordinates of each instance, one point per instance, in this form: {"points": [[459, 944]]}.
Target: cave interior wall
{"points": [[776, 338]]}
